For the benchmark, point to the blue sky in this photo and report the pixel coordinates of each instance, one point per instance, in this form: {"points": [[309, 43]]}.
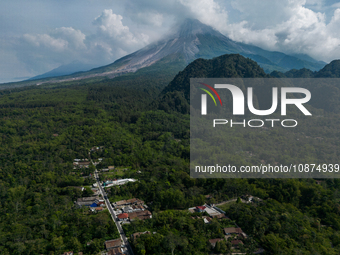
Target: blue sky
{"points": [[37, 36]]}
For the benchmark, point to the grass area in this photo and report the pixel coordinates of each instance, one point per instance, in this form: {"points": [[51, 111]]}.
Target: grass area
{"points": [[226, 206], [112, 175], [118, 172], [118, 198]]}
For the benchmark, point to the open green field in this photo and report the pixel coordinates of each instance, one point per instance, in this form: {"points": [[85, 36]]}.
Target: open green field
{"points": [[225, 207]]}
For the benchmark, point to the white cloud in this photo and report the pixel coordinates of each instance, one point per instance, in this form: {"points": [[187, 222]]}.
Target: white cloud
{"points": [[110, 25], [150, 18], [298, 30], [43, 52], [74, 37], [336, 5], [46, 41], [208, 12], [262, 14]]}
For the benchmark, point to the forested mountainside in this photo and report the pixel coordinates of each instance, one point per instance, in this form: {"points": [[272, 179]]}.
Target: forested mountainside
{"points": [[43, 129], [176, 95]]}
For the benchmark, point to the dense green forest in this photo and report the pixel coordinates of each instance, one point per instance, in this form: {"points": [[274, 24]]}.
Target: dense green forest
{"points": [[44, 128]]}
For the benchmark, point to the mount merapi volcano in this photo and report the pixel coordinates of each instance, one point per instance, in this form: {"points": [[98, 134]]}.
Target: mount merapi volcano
{"points": [[192, 40]]}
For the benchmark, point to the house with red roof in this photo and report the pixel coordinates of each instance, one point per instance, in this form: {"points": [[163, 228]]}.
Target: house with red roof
{"points": [[200, 208], [123, 216]]}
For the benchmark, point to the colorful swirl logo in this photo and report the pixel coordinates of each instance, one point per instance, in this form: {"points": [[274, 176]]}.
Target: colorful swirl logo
{"points": [[208, 92]]}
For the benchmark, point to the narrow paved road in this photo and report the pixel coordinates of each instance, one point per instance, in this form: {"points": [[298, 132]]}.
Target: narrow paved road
{"points": [[115, 219]]}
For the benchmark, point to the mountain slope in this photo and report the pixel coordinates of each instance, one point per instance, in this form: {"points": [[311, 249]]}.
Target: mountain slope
{"points": [[331, 70], [63, 70]]}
